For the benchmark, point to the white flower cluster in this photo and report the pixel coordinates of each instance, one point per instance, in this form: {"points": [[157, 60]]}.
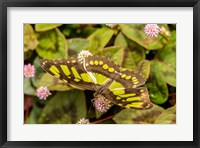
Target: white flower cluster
{"points": [[83, 121], [83, 54]]}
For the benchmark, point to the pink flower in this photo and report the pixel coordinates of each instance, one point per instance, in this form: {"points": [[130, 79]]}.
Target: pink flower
{"points": [[151, 30], [29, 71], [102, 104], [43, 93]]}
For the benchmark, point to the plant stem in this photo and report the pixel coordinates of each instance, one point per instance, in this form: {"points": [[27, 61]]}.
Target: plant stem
{"points": [[104, 119]]}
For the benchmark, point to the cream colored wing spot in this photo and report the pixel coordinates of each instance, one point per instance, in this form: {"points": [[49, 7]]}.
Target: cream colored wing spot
{"points": [[128, 77], [100, 62], [73, 61], [65, 80], [96, 62], [120, 104], [111, 69], [43, 63], [134, 78], [105, 66], [148, 105], [118, 98], [123, 75], [141, 90], [77, 80], [91, 62]]}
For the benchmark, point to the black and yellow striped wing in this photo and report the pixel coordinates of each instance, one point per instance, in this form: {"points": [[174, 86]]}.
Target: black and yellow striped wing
{"points": [[70, 71], [136, 98], [123, 88], [102, 66], [99, 73]]}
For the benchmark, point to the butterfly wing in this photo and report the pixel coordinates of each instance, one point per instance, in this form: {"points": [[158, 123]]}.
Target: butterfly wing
{"points": [[99, 72], [104, 70], [136, 98], [69, 70]]}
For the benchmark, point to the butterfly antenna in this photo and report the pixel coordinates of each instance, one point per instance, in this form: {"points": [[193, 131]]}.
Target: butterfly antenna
{"points": [[90, 74]]}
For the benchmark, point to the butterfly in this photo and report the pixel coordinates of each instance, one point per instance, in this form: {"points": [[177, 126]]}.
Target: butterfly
{"points": [[100, 74]]}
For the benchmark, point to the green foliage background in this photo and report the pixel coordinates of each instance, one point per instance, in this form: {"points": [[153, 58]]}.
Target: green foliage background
{"points": [[126, 45]]}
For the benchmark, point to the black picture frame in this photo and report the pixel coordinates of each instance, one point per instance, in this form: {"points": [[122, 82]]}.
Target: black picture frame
{"points": [[4, 4]]}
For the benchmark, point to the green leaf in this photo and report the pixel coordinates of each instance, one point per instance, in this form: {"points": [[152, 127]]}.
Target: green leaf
{"points": [[167, 117], [128, 61], [135, 32], [45, 27], [27, 54], [53, 83], [115, 53], [91, 113], [133, 116], [52, 45], [34, 115], [137, 52], [157, 86], [69, 29], [100, 38], [144, 68], [64, 107], [168, 53], [28, 88], [120, 40], [38, 72], [88, 30], [30, 38], [169, 74], [98, 114], [75, 45], [134, 53]]}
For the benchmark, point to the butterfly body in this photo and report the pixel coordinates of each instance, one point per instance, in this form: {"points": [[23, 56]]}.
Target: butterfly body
{"points": [[121, 87]]}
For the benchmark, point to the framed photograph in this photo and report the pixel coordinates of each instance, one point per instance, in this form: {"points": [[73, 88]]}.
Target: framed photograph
{"points": [[99, 74]]}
